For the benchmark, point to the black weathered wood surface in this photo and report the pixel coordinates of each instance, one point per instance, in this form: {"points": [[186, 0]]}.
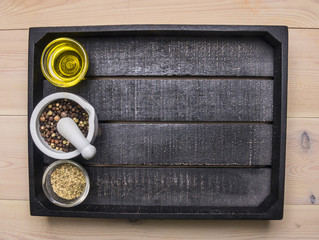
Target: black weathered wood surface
{"points": [[178, 186], [176, 99], [182, 144], [192, 118], [169, 56]]}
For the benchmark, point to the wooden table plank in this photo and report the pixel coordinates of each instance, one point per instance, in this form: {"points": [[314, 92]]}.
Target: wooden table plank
{"points": [[302, 161], [14, 158], [302, 174], [300, 222], [303, 71], [303, 61], [23, 14], [14, 42], [13, 72], [13, 92]]}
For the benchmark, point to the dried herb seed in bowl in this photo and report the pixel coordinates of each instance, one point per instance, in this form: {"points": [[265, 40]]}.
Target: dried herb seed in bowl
{"points": [[68, 181], [53, 113]]}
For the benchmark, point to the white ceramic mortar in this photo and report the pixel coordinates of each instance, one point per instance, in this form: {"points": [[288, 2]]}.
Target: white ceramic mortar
{"points": [[35, 124]]}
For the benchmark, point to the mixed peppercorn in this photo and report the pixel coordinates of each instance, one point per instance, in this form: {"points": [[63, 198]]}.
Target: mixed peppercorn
{"points": [[53, 113]]}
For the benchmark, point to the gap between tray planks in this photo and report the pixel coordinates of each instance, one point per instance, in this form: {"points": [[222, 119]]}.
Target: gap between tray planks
{"points": [[300, 222], [23, 14], [301, 167], [303, 86]]}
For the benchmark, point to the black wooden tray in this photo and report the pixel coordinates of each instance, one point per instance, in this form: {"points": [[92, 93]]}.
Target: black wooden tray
{"points": [[192, 121]]}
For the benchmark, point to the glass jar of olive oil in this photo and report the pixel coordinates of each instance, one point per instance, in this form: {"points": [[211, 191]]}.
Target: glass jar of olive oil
{"points": [[64, 62]]}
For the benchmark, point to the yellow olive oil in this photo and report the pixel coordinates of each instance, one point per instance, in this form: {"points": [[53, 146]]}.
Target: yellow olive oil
{"points": [[64, 62]]}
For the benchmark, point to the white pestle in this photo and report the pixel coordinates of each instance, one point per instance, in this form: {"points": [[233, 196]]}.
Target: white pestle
{"points": [[70, 131]]}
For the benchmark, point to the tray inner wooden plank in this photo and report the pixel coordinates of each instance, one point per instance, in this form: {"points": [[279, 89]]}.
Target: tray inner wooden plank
{"points": [[178, 186], [182, 144], [176, 99], [169, 56]]}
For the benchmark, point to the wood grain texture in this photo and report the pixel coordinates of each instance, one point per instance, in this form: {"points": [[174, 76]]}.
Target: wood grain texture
{"points": [[25, 14], [175, 56], [176, 99], [301, 167], [240, 187], [303, 65], [13, 158], [14, 42], [302, 80], [182, 144], [13, 72], [300, 222]]}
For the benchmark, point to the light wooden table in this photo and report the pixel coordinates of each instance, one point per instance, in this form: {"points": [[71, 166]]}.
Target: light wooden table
{"points": [[301, 217]]}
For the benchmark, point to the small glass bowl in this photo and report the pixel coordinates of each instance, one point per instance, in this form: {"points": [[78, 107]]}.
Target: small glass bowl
{"points": [[64, 62], [52, 196]]}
